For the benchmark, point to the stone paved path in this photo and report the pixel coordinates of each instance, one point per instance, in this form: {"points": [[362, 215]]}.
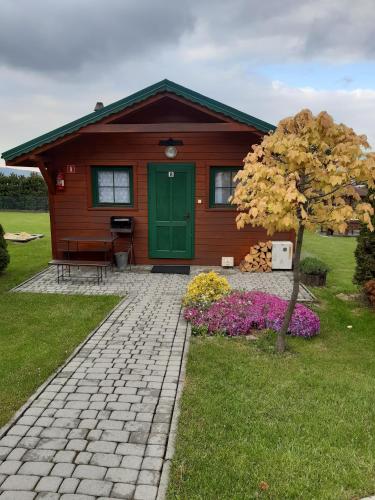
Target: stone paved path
{"points": [[100, 428]]}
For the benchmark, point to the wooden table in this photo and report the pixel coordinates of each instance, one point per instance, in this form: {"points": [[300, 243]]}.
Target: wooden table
{"points": [[108, 241]]}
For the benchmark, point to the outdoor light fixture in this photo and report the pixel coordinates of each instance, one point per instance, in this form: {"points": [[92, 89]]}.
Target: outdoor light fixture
{"points": [[170, 150]]}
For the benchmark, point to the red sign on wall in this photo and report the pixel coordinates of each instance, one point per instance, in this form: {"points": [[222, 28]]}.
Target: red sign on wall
{"points": [[70, 169]]}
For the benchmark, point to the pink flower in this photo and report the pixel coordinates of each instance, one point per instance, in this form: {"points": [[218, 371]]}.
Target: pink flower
{"points": [[241, 312]]}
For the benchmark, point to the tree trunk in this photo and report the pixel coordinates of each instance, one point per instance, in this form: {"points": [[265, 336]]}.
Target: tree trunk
{"points": [[281, 343]]}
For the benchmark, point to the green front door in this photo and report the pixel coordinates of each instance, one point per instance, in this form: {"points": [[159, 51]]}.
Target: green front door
{"points": [[171, 210]]}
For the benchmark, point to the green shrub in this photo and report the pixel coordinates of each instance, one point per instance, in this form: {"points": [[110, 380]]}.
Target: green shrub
{"points": [[365, 251], [4, 255], [311, 265]]}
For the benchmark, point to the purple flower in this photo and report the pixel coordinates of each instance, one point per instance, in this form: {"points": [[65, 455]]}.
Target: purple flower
{"points": [[241, 312]]}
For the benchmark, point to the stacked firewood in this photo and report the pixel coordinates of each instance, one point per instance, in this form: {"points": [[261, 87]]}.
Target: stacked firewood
{"points": [[259, 259], [370, 291]]}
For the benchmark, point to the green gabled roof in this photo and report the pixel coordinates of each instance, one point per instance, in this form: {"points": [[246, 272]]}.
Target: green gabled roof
{"points": [[141, 95]]}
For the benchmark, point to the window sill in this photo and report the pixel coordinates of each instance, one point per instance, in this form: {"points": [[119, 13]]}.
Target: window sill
{"points": [[221, 209], [113, 207]]}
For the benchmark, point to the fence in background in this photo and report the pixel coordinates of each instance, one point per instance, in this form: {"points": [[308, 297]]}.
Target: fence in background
{"points": [[24, 202]]}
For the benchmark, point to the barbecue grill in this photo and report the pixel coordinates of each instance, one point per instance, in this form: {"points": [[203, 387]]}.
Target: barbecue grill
{"points": [[125, 226], [122, 225]]}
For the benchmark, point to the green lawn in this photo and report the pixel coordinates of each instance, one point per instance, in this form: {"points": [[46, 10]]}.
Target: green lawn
{"points": [[37, 331], [303, 423], [338, 253]]}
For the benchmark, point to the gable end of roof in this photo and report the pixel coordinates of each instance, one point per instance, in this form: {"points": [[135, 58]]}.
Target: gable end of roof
{"points": [[122, 104]]}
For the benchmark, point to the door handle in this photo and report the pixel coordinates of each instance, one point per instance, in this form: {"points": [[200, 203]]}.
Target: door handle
{"points": [[187, 216]]}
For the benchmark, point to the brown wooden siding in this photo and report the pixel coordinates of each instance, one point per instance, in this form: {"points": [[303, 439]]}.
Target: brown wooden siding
{"points": [[216, 234]]}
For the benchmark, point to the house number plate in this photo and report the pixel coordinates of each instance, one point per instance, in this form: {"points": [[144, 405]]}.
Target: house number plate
{"points": [[170, 174]]}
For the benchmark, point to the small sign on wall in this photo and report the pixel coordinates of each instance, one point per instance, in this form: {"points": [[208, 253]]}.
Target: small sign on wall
{"points": [[70, 169]]}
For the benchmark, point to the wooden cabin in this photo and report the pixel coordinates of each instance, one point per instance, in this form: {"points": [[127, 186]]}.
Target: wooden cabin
{"points": [[165, 156]]}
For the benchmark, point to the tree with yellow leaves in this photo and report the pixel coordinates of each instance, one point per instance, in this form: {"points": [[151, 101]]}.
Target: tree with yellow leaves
{"points": [[302, 176]]}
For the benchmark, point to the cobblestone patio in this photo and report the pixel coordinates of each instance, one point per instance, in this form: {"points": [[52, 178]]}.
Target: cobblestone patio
{"points": [[279, 282], [101, 427]]}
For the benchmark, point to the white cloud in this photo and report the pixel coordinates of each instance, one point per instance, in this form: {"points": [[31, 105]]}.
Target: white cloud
{"points": [[355, 108], [212, 47], [26, 116]]}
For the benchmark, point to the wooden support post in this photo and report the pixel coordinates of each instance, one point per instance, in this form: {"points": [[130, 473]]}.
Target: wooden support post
{"points": [[40, 163]]}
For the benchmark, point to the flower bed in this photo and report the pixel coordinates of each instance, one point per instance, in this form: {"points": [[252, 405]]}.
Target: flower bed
{"points": [[242, 312]]}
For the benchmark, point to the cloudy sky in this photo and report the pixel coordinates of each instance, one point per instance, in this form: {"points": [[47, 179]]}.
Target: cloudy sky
{"points": [[269, 59]]}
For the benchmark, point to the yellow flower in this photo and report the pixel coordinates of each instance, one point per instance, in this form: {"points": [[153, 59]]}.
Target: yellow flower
{"points": [[206, 288]]}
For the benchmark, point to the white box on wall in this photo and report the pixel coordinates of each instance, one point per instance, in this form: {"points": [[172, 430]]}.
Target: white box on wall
{"points": [[227, 261], [282, 255]]}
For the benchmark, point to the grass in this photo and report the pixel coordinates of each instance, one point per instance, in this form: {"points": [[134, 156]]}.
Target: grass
{"points": [[26, 258], [37, 331], [338, 253], [258, 425]]}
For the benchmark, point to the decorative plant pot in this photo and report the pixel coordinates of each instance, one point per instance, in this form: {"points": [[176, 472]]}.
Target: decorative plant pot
{"points": [[314, 279]]}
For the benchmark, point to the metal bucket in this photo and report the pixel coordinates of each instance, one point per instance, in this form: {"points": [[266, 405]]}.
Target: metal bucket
{"points": [[121, 259]]}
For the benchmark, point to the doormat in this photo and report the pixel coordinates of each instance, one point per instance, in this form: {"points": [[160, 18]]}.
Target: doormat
{"points": [[171, 269]]}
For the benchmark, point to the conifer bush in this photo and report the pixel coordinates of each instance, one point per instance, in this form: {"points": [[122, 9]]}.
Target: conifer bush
{"points": [[365, 251], [4, 255]]}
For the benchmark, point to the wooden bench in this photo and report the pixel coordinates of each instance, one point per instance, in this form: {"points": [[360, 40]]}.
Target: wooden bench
{"points": [[63, 265], [353, 225]]}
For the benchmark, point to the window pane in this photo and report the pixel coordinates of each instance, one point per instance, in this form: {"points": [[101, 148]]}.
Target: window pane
{"points": [[222, 179], [122, 195], [105, 178], [234, 173], [222, 195], [121, 179], [105, 195]]}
